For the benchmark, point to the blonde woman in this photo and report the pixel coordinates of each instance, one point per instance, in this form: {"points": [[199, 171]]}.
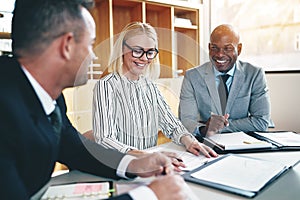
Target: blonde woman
{"points": [[128, 108]]}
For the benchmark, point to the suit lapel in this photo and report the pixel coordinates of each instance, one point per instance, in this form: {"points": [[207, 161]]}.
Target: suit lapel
{"points": [[211, 85], [235, 88], [35, 107]]}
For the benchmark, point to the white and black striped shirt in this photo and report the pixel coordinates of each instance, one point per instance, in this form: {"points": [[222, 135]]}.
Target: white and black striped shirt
{"points": [[128, 114]]}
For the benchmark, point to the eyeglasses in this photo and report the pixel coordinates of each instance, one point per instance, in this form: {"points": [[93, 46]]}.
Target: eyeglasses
{"points": [[138, 52]]}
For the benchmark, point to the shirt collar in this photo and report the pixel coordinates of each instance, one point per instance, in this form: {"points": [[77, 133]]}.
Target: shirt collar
{"points": [[47, 102], [230, 72]]}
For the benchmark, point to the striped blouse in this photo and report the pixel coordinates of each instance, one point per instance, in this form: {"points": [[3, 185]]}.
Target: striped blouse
{"points": [[128, 114]]}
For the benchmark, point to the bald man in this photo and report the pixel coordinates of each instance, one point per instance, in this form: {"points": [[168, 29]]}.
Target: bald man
{"points": [[247, 107]]}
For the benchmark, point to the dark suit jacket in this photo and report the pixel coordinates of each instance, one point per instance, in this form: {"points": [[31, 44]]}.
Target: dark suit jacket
{"points": [[28, 146]]}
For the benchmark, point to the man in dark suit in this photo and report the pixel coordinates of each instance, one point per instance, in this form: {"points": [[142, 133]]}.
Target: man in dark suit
{"points": [[52, 48]]}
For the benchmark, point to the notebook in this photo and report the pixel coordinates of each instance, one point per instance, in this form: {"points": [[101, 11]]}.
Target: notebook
{"points": [[237, 142]]}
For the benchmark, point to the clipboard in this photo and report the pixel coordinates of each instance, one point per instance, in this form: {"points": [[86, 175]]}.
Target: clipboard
{"points": [[269, 137], [207, 174], [283, 140]]}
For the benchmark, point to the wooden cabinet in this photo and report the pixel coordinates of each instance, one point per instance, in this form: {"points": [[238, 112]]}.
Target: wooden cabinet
{"points": [[176, 23]]}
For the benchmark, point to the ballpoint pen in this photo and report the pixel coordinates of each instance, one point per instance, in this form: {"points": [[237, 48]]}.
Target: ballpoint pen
{"points": [[248, 142]]}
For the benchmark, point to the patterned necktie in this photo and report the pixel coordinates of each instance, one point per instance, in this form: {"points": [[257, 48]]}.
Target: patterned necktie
{"points": [[56, 121], [223, 91]]}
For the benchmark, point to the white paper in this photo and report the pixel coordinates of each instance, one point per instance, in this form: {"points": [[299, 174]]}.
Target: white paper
{"points": [[238, 140], [284, 138], [240, 172], [190, 160]]}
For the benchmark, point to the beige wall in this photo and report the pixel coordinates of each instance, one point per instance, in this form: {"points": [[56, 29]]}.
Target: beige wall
{"points": [[284, 94], [79, 104]]}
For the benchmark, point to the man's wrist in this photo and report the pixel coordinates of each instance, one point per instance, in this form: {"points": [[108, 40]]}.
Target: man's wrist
{"points": [[186, 139], [130, 175], [123, 166], [202, 130]]}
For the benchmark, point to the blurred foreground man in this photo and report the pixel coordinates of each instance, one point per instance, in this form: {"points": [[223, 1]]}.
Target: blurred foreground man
{"points": [[52, 49]]}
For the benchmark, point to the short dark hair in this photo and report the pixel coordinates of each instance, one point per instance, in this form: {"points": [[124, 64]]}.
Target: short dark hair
{"points": [[36, 23]]}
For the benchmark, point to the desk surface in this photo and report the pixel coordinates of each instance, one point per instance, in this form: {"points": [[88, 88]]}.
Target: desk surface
{"points": [[286, 187]]}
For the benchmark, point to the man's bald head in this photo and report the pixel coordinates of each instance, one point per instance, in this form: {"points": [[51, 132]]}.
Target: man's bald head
{"points": [[225, 30], [224, 47]]}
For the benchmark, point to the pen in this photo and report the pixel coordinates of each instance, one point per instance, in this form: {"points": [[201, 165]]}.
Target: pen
{"points": [[164, 172], [179, 159], [205, 162], [226, 116], [248, 142]]}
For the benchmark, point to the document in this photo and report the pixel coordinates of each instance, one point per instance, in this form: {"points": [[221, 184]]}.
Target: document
{"points": [[282, 139], [238, 141], [91, 191], [190, 160], [238, 174]]}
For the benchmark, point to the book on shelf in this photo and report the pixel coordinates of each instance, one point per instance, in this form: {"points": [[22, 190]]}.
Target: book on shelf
{"points": [[238, 174]]}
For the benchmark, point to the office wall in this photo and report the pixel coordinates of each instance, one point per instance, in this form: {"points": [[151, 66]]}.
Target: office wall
{"points": [[79, 105], [285, 95]]}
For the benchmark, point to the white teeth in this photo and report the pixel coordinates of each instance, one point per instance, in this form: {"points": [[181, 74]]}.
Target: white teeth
{"points": [[221, 61], [140, 65]]}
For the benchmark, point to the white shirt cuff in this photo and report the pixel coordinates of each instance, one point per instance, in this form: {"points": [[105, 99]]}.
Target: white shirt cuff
{"points": [[121, 170], [142, 192]]}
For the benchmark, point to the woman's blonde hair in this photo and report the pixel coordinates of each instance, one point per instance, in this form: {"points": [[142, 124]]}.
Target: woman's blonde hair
{"points": [[132, 29]]}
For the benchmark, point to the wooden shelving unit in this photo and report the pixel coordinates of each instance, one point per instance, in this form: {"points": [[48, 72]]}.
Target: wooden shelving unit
{"points": [[178, 42]]}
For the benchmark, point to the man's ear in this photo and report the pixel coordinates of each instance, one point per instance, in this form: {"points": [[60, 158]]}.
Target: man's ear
{"points": [[239, 48], [67, 43]]}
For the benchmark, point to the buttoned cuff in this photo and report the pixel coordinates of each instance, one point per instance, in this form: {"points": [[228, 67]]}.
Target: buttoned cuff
{"points": [[122, 167]]}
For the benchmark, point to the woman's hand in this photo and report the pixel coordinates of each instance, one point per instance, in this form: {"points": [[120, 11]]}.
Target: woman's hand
{"points": [[192, 145]]}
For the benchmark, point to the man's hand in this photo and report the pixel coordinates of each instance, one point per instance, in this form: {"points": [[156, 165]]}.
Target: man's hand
{"points": [[174, 185], [216, 123], [152, 164], [193, 146], [137, 153], [175, 159]]}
